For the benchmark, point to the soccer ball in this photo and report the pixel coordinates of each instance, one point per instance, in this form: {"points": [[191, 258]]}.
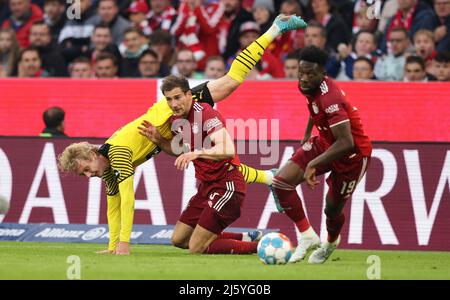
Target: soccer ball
{"points": [[274, 249], [4, 205]]}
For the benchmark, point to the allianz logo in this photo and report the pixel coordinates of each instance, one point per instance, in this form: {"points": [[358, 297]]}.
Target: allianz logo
{"points": [[12, 232], [92, 234]]}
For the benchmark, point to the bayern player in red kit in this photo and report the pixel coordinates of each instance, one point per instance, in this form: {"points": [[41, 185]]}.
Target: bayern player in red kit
{"points": [[341, 148], [200, 136]]}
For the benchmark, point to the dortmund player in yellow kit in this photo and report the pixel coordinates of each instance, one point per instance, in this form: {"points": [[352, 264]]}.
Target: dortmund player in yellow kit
{"points": [[116, 160]]}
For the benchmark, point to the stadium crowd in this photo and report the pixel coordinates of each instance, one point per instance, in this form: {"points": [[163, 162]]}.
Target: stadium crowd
{"points": [[391, 40]]}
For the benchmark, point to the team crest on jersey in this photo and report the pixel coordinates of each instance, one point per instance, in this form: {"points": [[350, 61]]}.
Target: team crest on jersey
{"points": [[315, 108], [195, 128], [307, 146]]}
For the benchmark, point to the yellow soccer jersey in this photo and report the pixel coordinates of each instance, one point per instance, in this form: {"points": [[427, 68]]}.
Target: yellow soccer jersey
{"points": [[126, 149]]}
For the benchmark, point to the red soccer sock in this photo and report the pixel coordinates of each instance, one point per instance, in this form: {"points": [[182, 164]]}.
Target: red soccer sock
{"points": [[230, 236], [228, 246], [334, 227], [290, 201]]}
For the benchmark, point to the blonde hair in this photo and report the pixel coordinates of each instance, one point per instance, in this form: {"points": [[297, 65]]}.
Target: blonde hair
{"points": [[424, 32], [13, 53], [68, 159]]}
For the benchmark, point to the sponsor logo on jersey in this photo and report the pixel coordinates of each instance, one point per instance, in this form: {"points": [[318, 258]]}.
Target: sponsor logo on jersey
{"points": [[332, 108], [315, 108]]}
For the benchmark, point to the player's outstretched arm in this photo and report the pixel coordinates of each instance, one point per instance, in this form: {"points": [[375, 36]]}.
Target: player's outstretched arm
{"points": [[247, 59]]}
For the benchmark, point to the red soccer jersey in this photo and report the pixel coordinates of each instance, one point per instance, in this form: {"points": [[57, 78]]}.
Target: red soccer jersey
{"points": [[202, 121], [329, 107]]}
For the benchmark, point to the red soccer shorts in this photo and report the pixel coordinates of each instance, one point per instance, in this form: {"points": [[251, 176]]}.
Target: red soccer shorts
{"points": [[345, 173], [217, 204]]}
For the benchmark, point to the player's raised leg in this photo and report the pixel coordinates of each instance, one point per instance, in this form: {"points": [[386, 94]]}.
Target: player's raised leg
{"points": [[285, 194], [247, 59], [252, 175]]}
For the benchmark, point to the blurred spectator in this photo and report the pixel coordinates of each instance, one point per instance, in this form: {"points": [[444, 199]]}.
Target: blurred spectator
{"points": [[30, 64], [269, 64], [4, 11], [215, 67], [291, 65], [54, 122], [316, 35], [161, 16], [337, 30], [292, 40], [425, 47], [200, 24], [161, 42], [439, 24], [106, 66], [23, 15], [138, 11], [9, 51], [108, 13], [361, 21], [52, 60], [235, 15], [363, 69], [101, 41], [75, 36], [391, 66], [442, 66], [364, 45], [149, 65], [263, 14], [55, 16], [186, 28], [415, 70], [389, 9], [185, 64], [136, 44], [411, 15], [81, 68]]}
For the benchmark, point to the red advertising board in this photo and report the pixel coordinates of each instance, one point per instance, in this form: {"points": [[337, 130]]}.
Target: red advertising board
{"points": [[402, 203], [391, 111]]}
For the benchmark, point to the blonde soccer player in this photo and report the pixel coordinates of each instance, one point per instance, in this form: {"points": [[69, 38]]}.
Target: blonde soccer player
{"points": [[116, 160]]}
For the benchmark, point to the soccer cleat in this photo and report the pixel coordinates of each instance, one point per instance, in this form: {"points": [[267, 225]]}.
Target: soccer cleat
{"points": [[291, 23], [307, 243], [275, 197], [252, 236], [321, 254]]}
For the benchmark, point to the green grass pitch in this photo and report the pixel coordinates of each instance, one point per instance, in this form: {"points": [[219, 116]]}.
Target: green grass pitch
{"points": [[23, 260]]}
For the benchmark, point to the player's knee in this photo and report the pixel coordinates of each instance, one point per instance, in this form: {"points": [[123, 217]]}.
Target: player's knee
{"points": [[179, 243], [196, 248]]}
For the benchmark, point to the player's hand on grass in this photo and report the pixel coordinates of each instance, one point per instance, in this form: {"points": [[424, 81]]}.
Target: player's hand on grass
{"points": [[310, 177], [150, 131], [184, 159], [105, 251], [123, 248]]}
